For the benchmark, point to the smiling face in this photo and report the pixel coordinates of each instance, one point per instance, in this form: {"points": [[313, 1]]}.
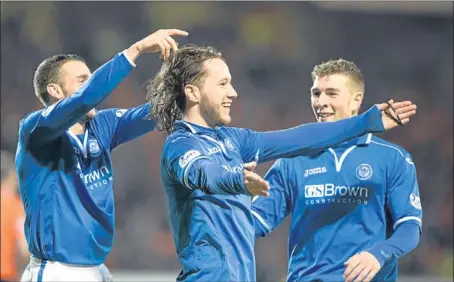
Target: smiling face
{"points": [[214, 96], [337, 90], [333, 98]]}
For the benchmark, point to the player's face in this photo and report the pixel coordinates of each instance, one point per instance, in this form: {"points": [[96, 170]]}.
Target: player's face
{"points": [[333, 99], [72, 75], [216, 93]]}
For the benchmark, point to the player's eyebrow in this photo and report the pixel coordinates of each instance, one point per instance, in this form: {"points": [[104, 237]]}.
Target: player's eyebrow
{"points": [[316, 89], [83, 76]]}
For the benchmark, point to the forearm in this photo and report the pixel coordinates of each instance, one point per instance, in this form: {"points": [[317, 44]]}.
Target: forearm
{"points": [[212, 177], [404, 239], [312, 137], [132, 124]]}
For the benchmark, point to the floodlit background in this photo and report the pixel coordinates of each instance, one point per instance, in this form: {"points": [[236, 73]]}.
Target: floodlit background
{"points": [[404, 50]]}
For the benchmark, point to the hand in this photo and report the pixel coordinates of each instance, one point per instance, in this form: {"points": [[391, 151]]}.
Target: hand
{"points": [[160, 40], [364, 265], [399, 111], [250, 166], [255, 184]]}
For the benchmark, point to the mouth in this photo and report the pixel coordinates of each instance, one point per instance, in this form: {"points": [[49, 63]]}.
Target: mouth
{"points": [[324, 115], [226, 105]]}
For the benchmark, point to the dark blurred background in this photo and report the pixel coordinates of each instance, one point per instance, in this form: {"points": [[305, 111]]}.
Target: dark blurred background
{"points": [[404, 50]]}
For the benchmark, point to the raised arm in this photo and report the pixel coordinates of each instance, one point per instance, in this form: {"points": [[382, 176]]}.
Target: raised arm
{"points": [[46, 125], [308, 138], [124, 125]]}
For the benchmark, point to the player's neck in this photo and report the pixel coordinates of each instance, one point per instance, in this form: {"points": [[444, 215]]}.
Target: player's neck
{"points": [[77, 128], [197, 120]]}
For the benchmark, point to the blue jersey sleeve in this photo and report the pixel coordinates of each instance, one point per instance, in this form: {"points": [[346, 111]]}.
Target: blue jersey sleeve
{"points": [[403, 200], [185, 162], [269, 211], [48, 124], [124, 125], [305, 139]]}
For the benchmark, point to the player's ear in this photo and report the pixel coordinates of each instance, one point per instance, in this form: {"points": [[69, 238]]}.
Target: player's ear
{"points": [[55, 91], [192, 93], [356, 101]]}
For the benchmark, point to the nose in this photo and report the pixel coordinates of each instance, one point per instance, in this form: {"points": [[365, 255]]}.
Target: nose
{"points": [[322, 98], [232, 94]]}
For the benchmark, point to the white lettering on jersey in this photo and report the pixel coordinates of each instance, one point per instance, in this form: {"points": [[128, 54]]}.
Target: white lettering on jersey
{"points": [[96, 178], [315, 170], [233, 169], [214, 150], [331, 193]]}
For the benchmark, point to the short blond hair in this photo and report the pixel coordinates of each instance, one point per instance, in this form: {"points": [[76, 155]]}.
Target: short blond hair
{"points": [[340, 66]]}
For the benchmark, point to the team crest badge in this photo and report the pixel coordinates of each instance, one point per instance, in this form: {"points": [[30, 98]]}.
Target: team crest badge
{"points": [[228, 143], [93, 148], [364, 171], [120, 113], [415, 201]]}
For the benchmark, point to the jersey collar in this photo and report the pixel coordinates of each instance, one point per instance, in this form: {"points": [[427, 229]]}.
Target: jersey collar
{"points": [[193, 128], [364, 140]]}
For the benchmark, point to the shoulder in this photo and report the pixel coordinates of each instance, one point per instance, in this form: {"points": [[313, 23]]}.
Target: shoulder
{"points": [[178, 141], [386, 148], [112, 113], [29, 120]]}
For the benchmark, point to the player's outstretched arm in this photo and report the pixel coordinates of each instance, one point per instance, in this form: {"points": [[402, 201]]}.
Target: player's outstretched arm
{"points": [[269, 211], [185, 162], [309, 138], [53, 121]]}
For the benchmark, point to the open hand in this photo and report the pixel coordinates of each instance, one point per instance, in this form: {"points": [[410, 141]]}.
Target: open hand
{"points": [[396, 113], [162, 41]]}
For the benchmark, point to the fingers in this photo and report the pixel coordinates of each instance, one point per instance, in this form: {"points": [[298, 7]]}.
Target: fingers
{"points": [[162, 48], [370, 275], [250, 166], [177, 32], [404, 109], [363, 271], [395, 105], [351, 264], [172, 43], [255, 184], [407, 115]]}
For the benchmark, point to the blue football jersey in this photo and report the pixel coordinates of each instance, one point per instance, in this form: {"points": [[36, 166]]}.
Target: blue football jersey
{"points": [[341, 200], [210, 208], [66, 181]]}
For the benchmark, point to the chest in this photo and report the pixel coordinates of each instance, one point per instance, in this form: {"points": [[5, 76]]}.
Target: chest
{"points": [[344, 175], [223, 150]]}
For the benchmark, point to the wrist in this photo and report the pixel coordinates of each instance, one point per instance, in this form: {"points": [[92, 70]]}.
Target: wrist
{"points": [[374, 121], [379, 253], [134, 51]]}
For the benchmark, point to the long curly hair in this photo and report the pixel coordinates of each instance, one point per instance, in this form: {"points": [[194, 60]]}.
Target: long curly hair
{"points": [[165, 91]]}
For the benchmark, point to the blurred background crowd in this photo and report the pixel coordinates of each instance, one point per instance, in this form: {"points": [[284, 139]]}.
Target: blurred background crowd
{"points": [[405, 52]]}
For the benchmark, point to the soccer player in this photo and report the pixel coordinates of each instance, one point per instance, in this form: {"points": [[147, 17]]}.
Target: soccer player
{"points": [[208, 190], [13, 243], [64, 161], [355, 206]]}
